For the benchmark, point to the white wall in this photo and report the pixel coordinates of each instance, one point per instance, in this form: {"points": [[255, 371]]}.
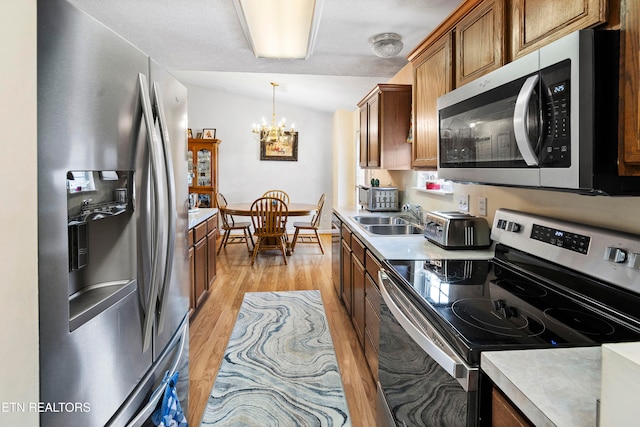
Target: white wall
{"points": [[620, 213], [243, 176], [344, 157], [18, 216]]}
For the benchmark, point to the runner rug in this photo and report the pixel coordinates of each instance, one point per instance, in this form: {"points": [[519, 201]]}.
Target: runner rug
{"points": [[279, 368]]}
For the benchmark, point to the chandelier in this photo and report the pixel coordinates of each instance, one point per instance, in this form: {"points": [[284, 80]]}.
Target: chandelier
{"points": [[276, 131]]}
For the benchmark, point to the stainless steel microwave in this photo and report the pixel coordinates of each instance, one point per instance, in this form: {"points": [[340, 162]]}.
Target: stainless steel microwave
{"points": [[546, 120]]}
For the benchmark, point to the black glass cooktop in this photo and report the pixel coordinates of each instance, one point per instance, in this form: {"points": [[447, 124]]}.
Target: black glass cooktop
{"points": [[517, 302]]}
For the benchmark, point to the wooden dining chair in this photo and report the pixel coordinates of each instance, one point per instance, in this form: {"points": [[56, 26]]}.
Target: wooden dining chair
{"points": [[278, 194], [229, 224], [311, 225], [269, 216]]}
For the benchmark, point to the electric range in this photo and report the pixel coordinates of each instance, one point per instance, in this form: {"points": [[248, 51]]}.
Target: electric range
{"points": [[551, 283]]}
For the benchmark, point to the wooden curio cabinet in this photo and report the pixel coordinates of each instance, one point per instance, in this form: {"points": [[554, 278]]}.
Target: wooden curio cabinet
{"points": [[202, 160]]}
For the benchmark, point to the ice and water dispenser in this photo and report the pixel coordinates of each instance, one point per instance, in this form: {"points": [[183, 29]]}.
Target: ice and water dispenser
{"points": [[102, 241]]}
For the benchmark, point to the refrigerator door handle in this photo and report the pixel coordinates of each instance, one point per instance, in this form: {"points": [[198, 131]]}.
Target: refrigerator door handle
{"points": [[170, 225], [157, 213]]}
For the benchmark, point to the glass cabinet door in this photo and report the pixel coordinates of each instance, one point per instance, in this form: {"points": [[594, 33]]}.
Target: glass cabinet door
{"points": [[190, 168], [204, 168]]}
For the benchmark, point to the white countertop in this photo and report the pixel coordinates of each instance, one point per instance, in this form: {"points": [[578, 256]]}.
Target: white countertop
{"points": [[552, 387], [403, 247], [200, 215]]}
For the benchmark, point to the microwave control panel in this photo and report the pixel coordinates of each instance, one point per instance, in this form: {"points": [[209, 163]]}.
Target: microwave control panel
{"points": [[556, 126]]}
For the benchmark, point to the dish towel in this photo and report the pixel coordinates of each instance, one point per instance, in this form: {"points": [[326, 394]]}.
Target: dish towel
{"points": [[170, 413]]}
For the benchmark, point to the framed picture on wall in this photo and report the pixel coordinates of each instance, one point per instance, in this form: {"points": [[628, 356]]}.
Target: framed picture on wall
{"points": [[280, 151], [208, 134]]}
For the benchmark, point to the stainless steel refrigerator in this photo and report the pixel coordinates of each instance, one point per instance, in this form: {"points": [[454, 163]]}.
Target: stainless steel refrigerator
{"points": [[112, 224]]}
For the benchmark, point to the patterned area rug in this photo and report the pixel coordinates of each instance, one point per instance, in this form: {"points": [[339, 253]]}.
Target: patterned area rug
{"points": [[279, 367]]}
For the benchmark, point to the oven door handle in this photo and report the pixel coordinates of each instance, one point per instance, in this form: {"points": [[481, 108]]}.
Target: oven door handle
{"points": [[423, 333]]}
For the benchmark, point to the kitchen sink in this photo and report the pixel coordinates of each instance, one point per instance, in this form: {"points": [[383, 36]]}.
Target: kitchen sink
{"points": [[393, 230], [379, 220]]}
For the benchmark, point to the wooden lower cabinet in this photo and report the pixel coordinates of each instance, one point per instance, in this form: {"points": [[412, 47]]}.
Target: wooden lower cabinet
{"points": [[202, 259], [212, 236], [504, 414], [200, 279], [372, 313], [192, 273], [345, 259], [357, 315]]}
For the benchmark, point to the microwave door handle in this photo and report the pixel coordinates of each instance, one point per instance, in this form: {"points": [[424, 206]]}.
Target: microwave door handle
{"points": [[520, 121]]}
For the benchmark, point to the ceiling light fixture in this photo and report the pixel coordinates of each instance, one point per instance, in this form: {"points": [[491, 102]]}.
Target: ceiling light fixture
{"points": [[284, 29], [275, 132], [386, 45]]}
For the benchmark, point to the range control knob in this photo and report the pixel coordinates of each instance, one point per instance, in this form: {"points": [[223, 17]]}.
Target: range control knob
{"points": [[616, 255], [513, 226], [634, 261]]}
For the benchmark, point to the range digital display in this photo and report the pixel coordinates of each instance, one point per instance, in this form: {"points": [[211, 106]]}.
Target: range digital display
{"points": [[564, 239]]}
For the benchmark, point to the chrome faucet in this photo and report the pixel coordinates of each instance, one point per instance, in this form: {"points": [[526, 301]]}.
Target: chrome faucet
{"points": [[415, 211]]}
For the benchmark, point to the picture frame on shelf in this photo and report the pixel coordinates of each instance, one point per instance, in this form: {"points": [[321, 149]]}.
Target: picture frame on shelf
{"points": [[280, 152], [199, 135], [209, 133], [189, 133]]}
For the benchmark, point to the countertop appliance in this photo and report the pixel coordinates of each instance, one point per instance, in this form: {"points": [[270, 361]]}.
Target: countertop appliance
{"points": [[112, 224], [378, 198], [457, 230], [438, 316], [546, 120], [336, 249]]}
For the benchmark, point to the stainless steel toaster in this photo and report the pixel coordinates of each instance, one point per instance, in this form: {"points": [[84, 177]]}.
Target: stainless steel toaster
{"points": [[457, 230], [378, 198]]}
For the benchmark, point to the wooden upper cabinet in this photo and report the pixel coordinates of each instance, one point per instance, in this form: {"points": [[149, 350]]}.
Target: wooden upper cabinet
{"points": [[480, 41], [385, 120], [536, 23], [630, 88], [433, 77]]}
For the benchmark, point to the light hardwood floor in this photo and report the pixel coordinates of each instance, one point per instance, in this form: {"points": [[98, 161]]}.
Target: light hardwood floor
{"points": [[212, 323]]}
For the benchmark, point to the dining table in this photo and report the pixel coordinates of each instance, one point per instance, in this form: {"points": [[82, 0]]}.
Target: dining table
{"points": [[294, 209]]}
